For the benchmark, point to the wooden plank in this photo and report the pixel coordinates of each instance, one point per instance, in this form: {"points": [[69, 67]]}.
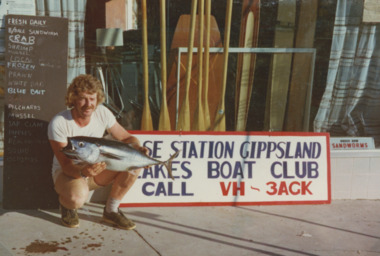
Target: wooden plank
{"points": [[164, 121], [180, 39], [249, 31], [184, 113], [146, 119], [206, 112], [199, 119], [220, 115], [281, 66], [301, 70]]}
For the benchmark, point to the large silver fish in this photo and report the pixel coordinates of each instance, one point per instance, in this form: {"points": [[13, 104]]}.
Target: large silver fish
{"points": [[117, 155]]}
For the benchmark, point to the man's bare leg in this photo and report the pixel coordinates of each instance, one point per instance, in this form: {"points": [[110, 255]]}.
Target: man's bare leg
{"points": [[73, 193]]}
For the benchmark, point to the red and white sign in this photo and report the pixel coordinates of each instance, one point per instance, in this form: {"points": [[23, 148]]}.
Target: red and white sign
{"points": [[233, 168], [352, 143]]}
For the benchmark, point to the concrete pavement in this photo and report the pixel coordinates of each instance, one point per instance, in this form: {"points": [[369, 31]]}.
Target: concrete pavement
{"points": [[345, 227]]}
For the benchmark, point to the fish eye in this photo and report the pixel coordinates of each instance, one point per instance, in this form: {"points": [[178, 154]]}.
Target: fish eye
{"points": [[81, 144]]}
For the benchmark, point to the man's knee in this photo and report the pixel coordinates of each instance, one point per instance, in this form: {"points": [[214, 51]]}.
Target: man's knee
{"points": [[127, 178], [73, 193], [74, 199]]}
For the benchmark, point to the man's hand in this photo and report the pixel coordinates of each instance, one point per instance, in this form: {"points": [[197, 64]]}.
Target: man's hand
{"points": [[143, 150], [92, 170]]}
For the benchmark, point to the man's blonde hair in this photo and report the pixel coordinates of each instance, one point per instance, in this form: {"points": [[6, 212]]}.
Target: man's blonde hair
{"points": [[87, 84]]}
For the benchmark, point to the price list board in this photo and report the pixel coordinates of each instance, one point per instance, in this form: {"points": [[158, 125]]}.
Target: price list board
{"points": [[35, 87]]}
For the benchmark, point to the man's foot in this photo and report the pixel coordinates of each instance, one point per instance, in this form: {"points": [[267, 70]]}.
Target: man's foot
{"points": [[118, 219], [69, 218]]}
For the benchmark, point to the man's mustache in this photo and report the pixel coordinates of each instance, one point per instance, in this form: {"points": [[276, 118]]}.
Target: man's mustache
{"points": [[88, 108]]}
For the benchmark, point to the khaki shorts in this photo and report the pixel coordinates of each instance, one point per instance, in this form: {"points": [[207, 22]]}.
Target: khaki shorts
{"points": [[90, 180]]}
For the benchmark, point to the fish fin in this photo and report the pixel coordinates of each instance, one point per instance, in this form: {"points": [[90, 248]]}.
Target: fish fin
{"points": [[133, 172], [112, 156], [132, 144], [168, 164]]}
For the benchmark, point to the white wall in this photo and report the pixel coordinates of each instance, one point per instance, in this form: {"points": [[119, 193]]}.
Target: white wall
{"points": [[355, 174]]}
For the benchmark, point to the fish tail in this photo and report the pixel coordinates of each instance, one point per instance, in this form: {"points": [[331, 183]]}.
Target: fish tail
{"points": [[168, 164]]}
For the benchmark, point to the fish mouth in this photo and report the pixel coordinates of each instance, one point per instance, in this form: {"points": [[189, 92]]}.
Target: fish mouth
{"points": [[70, 154], [70, 151]]}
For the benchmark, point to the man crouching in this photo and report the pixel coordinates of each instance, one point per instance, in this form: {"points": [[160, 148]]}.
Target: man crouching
{"points": [[86, 116]]}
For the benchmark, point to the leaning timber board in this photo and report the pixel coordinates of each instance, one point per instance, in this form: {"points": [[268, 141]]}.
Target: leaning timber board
{"points": [[249, 31], [281, 67], [302, 65]]}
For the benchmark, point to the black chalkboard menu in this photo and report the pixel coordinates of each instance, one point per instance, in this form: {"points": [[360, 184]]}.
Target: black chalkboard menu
{"points": [[35, 86]]}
